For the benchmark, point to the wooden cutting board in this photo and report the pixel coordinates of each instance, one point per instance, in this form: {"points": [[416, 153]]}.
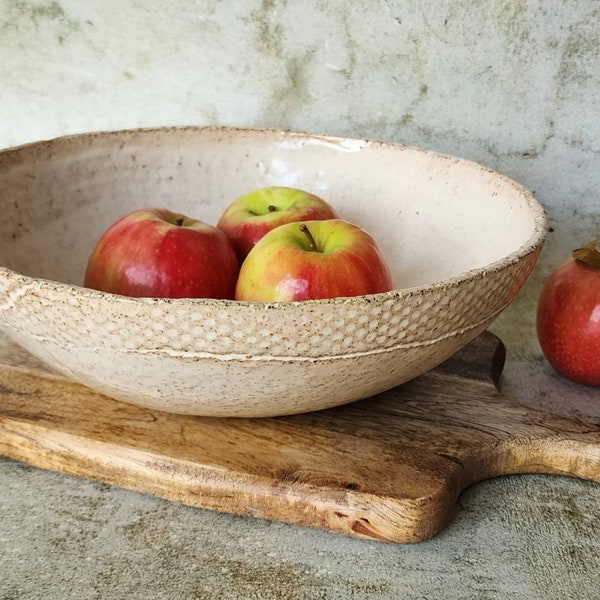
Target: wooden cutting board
{"points": [[388, 468]]}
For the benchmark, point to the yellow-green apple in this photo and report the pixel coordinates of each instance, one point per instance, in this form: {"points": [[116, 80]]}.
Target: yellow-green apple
{"points": [[249, 217], [154, 252], [311, 260]]}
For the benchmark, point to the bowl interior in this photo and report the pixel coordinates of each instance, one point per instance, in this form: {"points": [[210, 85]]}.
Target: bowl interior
{"points": [[435, 217]]}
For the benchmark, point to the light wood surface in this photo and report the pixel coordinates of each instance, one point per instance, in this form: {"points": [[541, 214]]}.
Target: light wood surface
{"points": [[388, 468]]}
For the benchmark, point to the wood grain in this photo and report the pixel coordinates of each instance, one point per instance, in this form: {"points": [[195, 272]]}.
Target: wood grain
{"points": [[388, 468]]}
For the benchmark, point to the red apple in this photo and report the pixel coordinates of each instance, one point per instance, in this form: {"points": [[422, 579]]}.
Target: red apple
{"points": [[157, 253], [252, 215], [311, 260], [568, 317]]}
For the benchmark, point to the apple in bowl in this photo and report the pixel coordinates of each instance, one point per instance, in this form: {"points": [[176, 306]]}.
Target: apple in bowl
{"points": [[250, 216], [154, 252], [313, 260]]}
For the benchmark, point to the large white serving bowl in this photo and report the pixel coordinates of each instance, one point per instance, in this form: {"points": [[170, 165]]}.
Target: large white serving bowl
{"points": [[460, 240]]}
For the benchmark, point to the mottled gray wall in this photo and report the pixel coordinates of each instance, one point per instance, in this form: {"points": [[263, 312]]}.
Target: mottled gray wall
{"points": [[513, 84]]}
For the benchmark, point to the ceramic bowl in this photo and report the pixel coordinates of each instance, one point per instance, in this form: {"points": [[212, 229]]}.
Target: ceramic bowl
{"points": [[460, 240]]}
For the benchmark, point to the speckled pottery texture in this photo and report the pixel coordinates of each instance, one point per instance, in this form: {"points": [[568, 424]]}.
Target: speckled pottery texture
{"points": [[460, 240]]}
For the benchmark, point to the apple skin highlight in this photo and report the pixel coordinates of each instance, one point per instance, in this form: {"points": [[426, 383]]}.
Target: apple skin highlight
{"points": [[284, 267], [568, 319], [161, 254]]}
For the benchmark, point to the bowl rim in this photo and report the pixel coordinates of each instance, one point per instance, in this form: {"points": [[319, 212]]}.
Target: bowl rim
{"points": [[530, 246]]}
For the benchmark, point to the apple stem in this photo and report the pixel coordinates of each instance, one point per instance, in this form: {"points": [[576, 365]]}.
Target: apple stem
{"points": [[179, 221], [272, 208], [311, 240], [588, 255]]}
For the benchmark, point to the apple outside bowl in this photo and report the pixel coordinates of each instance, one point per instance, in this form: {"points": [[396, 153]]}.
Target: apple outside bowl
{"points": [[460, 240]]}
